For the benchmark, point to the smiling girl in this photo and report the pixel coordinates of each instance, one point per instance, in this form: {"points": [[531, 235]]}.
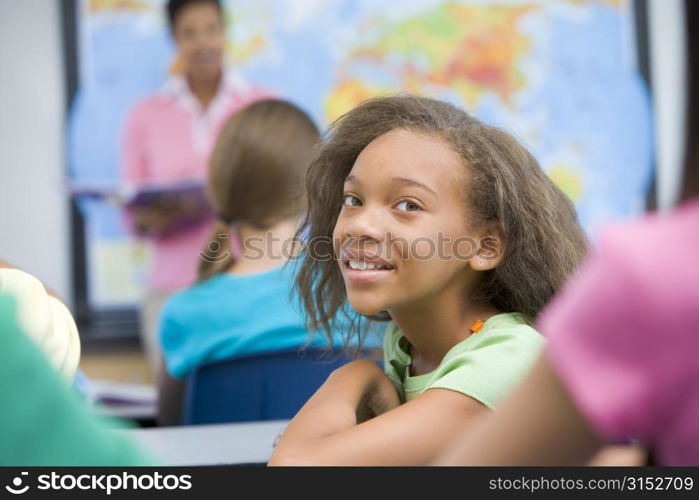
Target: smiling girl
{"points": [[450, 229]]}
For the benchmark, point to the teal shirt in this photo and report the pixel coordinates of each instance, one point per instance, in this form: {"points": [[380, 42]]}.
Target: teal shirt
{"points": [[232, 315], [42, 422], [484, 366]]}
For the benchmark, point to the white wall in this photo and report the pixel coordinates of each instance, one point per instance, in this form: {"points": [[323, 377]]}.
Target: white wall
{"points": [[666, 25], [34, 231]]}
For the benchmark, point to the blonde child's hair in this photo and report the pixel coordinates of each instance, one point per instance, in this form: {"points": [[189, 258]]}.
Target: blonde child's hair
{"points": [[45, 320]]}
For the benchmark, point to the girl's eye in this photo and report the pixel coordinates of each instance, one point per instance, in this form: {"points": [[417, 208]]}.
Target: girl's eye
{"points": [[351, 201], [408, 206]]}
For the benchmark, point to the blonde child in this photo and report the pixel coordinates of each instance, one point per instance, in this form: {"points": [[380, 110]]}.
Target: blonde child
{"points": [[44, 318]]}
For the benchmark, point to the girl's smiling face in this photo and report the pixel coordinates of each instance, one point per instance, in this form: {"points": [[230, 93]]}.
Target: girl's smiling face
{"points": [[402, 215]]}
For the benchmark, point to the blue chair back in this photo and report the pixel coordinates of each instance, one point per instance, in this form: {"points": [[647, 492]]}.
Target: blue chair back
{"points": [[268, 386]]}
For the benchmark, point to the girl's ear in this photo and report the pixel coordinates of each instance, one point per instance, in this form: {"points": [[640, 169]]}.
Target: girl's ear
{"points": [[491, 250]]}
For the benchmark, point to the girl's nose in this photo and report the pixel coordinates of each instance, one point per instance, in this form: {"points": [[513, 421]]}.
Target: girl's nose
{"points": [[365, 224]]}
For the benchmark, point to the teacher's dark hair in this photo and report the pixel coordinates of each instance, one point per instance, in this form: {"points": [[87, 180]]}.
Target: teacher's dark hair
{"points": [[174, 7]]}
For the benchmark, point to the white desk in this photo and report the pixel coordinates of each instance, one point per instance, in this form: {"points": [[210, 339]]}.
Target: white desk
{"points": [[220, 444]]}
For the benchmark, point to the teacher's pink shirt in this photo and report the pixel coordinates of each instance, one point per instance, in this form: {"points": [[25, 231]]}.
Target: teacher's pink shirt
{"points": [[168, 138], [624, 336]]}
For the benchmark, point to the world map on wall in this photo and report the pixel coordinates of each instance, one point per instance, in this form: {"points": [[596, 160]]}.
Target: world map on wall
{"points": [[560, 75]]}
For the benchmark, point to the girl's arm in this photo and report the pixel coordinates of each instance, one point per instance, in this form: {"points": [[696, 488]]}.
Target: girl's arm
{"points": [[331, 428], [538, 424]]}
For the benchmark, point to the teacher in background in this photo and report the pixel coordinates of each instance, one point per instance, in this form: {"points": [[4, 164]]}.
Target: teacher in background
{"points": [[167, 140]]}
